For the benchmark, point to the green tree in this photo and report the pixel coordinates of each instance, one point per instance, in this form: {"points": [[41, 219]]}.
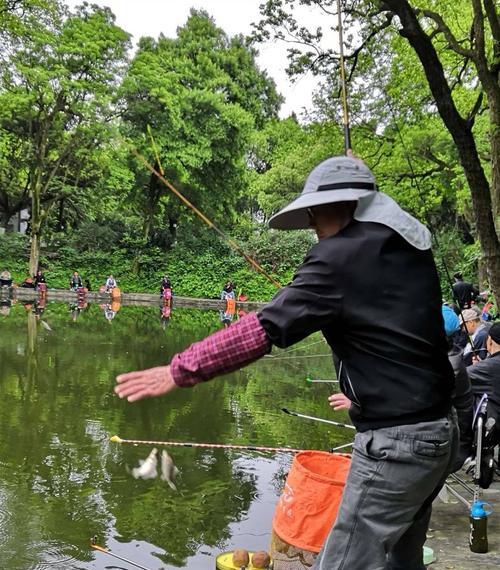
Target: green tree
{"points": [[56, 96], [202, 95], [416, 62]]}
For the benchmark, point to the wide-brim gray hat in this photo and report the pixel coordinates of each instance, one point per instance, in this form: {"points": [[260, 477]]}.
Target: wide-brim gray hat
{"points": [[336, 179]]}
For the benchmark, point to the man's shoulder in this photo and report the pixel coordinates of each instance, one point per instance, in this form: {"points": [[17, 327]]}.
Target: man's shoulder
{"points": [[353, 236]]}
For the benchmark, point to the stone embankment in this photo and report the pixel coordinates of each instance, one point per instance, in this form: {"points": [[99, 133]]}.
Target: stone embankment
{"points": [[129, 299]]}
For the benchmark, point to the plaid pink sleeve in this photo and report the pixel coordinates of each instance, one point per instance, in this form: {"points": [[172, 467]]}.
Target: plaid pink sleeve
{"points": [[222, 352]]}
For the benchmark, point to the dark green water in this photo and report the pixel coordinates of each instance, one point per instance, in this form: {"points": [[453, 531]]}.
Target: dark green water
{"points": [[62, 481]]}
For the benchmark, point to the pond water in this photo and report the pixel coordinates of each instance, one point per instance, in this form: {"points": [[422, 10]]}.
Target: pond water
{"points": [[62, 481]]}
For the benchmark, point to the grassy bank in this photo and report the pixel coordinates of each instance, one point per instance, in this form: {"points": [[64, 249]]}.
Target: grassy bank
{"points": [[197, 268]]}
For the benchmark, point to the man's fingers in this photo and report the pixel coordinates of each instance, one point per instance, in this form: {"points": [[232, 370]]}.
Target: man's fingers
{"points": [[144, 383], [129, 376], [144, 393], [127, 389]]}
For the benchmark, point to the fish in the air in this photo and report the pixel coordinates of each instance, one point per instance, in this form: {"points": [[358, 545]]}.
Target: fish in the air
{"points": [[147, 468], [168, 470]]}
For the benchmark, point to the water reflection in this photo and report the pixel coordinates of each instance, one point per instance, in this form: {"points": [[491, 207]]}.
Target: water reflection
{"points": [[62, 481]]}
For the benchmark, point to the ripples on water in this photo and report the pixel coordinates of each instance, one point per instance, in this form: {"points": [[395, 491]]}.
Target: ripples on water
{"points": [[62, 481]]}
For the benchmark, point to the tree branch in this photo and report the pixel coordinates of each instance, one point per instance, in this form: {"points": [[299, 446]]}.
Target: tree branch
{"points": [[354, 56], [419, 175], [475, 109], [494, 20], [448, 34]]}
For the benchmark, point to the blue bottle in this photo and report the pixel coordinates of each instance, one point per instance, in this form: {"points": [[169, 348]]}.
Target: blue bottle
{"points": [[478, 539]]}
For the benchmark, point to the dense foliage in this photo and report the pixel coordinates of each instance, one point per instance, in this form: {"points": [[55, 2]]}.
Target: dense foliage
{"points": [[79, 115]]}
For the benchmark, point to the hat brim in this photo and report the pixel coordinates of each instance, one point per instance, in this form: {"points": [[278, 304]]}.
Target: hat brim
{"points": [[294, 216]]}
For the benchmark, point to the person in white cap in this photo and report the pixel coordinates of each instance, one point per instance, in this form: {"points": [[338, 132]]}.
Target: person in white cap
{"points": [[371, 286], [477, 333]]}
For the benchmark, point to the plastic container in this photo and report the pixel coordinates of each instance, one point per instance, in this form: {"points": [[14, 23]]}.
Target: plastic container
{"points": [[307, 507], [224, 561], [478, 538]]}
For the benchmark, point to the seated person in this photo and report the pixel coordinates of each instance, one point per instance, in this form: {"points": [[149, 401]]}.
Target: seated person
{"points": [[227, 291], [5, 278], [462, 395], [110, 283], [478, 332], [486, 373], [28, 283], [165, 283], [75, 281], [39, 279]]}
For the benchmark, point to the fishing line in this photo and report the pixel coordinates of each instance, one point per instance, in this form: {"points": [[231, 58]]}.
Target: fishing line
{"points": [[302, 347], [202, 216], [296, 356]]}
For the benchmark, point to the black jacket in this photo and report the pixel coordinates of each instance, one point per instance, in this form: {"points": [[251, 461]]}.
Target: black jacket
{"points": [[484, 375], [464, 404], [485, 379], [377, 301], [465, 293]]}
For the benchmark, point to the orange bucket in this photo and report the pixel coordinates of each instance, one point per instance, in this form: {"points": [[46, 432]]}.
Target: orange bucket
{"points": [[310, 500]]}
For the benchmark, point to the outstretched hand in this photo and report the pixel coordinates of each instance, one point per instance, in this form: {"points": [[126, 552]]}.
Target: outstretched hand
{"points": [[339, 402], [145, 383]]}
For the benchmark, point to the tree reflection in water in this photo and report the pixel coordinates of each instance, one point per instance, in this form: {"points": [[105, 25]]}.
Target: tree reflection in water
{"points": [[61, 481]]}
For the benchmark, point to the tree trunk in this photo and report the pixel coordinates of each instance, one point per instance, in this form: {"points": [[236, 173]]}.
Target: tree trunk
{"points": [[34, 253], [461, 132], [152, 199], [4, 220], [36, 228], [494, 104], [36, 203], [172, 228], [60, 217]]}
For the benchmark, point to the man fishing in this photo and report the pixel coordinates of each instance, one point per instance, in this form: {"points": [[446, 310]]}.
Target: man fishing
{"points": [[371, 286]]}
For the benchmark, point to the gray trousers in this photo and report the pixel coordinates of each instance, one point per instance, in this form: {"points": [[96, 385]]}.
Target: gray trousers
{"points": [[395, 475]]}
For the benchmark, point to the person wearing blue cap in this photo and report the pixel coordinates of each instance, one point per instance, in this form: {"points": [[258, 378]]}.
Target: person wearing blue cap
{"points": [[462, 399], [370, 285]]}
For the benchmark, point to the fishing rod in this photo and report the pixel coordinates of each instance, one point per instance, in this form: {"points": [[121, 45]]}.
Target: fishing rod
{"points": [[117, 439], [202, 216], [345, 107], [109, 553], [319, 381], [316, 419], [334, 449]]}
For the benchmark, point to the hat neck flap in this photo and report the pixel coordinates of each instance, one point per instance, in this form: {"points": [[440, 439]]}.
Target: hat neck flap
{"points": [[381, 209]]}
